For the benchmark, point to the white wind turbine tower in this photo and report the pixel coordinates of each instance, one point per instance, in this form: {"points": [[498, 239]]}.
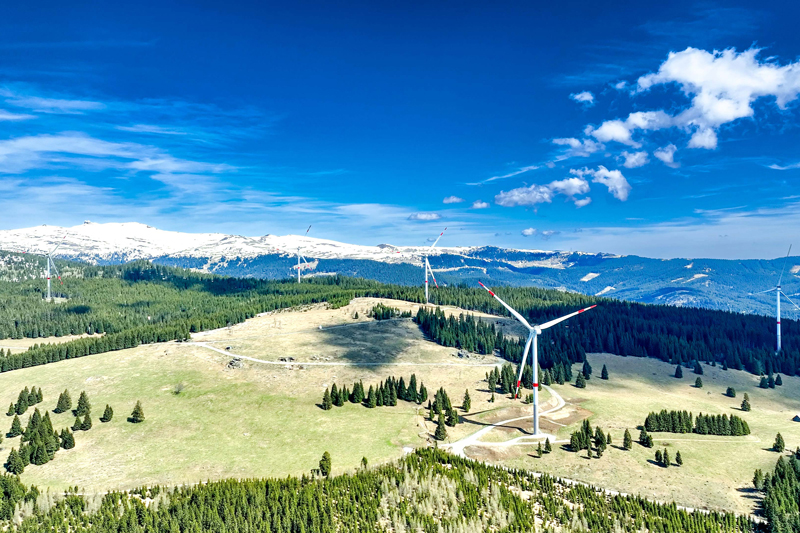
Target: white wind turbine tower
{"points": [[533, 338], [49, 264], [300, 256], [778, 292], [427, 266]]}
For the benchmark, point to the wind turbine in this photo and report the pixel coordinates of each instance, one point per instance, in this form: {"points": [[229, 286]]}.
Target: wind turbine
{"points": [[533, 338], [778, 292], [300, 256], [51, 263], [428, 269]]}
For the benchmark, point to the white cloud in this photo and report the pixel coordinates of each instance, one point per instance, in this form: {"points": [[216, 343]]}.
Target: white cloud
{"points": [[570, 186], [723, 85], [528, 232], [613, 179], [533, 195], [480, 204], [584, 97], [635, 159], [452, 200], [578, 147], [5, 115], [621, 85], [667, 155], [787, 167], [150, 128], [517, 172], [50, 105], [583, 202], [546, 234], [622, 131], [424, 217]]}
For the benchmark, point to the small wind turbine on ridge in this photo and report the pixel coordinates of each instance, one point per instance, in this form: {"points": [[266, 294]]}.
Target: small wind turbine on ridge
{"points": [[428, 268], [50, 263], [778, 292], [300, 256], [533, 338]]}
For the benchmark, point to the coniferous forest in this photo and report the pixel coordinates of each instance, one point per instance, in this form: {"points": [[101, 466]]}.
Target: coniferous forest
{"points": [[428, 491]]}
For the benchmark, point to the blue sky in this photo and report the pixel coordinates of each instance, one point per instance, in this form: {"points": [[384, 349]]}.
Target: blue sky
{"points": [[668, 130]]}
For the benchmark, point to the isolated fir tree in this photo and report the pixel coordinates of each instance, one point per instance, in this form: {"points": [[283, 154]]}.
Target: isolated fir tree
{"points": [[665, 456], [698, 368], [627, 441], [11, 410], [422, 396], [467, 403], [325, 464], [771, 382], [779, 445], [587, 369], [678, 458], [659, 458], [580, 381], [67, 439], [645, 439], [137, 415], [327, 403], [778, 380], [608, 438], [64, 403], [758, 479], [364, 463], [539, 450], [452, 418], [441, 430], [604, 373], [678, 371], [16, 427], [764, 383], [84, 406], [76, 426], [730, 392], [547, 446], [698, 383]]}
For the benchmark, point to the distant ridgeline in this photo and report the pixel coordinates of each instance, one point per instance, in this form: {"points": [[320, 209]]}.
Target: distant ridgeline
{"points": [[140, 303], [428, 490]]}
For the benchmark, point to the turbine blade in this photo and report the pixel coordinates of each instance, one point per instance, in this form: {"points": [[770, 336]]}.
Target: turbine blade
{"points": [[563, 318], [59, 244], [784, 265], [790, 300], [437, 238], [430, 270], [763, 292], [522, 364], [58, 275], [510, 310], [309, 229]]}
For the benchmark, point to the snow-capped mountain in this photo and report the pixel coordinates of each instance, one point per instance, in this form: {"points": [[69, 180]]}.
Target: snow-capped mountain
{"points": [[713, 283]]}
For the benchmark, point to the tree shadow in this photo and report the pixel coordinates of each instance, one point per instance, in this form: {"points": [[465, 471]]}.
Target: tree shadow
{"points": [[373, 344]]}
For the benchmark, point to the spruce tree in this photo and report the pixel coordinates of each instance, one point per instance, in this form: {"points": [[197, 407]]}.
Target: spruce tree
{"points": [[666, 458], [11, 410], [764, 383], [758, 479], [627, 440], [745, 405], [778, 380], [698, 383], [137, 415], [539, 450], [422, 396], [587, 369], [16, 427], [604, 373], [730, 392], [76, 426], [452, 418], [547, 446], [659, 458], [64, 402], [334, 395], [771, 382], [372, 401], [467, 403], [645, 439], [608, 438], [364, 463], [325, 464], [441, 430], [698, 368], [84, 406], [678, 458], [67, 439], [678, 372], [779, 445], [22, 402], [14, 463], [580, 381], [327, 403]]}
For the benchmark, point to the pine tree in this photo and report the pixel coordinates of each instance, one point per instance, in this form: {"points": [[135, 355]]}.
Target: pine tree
{"points": [[138, 414], [758, 479], [698, 369], [745, 405], [22, 402], [778, 380], [764, 383], [698, 383], [14, 463], [11, 410], [76, 426], [452, 418], [666, 458], [325, 464], [678, 372], [327, 403], [393, 395], [645, 439], [627, 441], [604, 373], [580, 381], [547, 446], [364, 463], [86, 425], [84, 407], [659, 458], [608, 438], [467, 403], [422, 396], [441, 430], [678, 458], [372, 401], [539, 450], [67, 439], [730, 392], [587, 369], [16, 427], [779, 445], [771, 382]]}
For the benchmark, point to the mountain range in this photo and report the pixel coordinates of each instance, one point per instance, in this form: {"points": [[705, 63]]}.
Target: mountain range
{"points": [[697, 282]]}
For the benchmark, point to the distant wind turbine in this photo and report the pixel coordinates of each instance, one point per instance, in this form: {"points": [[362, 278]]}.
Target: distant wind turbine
{"points": [[533, 337], [49, 264], [778, 292], [427, 266], [300, 256]]}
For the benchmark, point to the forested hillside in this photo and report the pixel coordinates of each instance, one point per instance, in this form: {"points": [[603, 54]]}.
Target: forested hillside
{"points": [[428, 491]]}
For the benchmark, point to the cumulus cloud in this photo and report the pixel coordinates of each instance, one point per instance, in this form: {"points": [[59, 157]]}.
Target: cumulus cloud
{"points": [[621, 131], [723, 86], [635, 159], [582, 202], [529, 232], [584, 97], [452, 200], [578, 147], [617, 185], [480, 204], [667, 155], [570, 186], [546, 234], [541, 194], [424, 217]]}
